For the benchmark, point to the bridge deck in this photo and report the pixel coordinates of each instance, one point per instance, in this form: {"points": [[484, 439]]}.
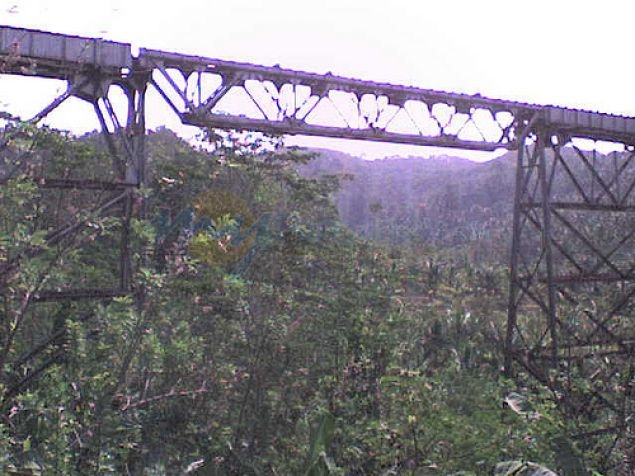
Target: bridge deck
{"points": [[52, 55]]}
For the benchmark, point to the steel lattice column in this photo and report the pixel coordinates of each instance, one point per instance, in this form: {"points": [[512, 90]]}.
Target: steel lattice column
{"points": [[124, 135], [570, 316]]}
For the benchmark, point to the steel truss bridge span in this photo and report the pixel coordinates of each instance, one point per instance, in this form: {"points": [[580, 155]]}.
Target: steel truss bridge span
{"points": [[284, 101], [572, 269]]}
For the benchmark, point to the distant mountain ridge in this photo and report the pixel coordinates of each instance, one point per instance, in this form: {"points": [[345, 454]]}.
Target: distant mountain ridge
{"points": [[442, 200]]}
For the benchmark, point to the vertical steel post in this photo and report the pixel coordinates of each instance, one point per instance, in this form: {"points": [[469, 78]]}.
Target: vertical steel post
{"points": [[512, 308], [134, 135], [514, 275], [545, 192]]}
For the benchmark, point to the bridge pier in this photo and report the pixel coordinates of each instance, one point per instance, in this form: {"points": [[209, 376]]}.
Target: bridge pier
{"points": [[570, 315]]}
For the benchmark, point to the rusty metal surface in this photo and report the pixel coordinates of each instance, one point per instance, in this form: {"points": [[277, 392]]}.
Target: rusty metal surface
{"points": [[21, 45]]}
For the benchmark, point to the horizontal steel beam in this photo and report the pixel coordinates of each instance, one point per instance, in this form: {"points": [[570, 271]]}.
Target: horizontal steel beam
{"points": [[591, 125], [82, 184], [591, 278], [41, 53], [75, 294], [601, 207], [219, 121]]}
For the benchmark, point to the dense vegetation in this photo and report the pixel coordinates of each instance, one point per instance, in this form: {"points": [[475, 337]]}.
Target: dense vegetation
{"points": [[330, 354]]}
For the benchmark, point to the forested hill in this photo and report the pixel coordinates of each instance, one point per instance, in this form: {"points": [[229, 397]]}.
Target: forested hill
{"points": [[446, 200]]}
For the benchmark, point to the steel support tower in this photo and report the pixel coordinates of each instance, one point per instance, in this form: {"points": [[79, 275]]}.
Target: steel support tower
{"points": [[92, 69]]}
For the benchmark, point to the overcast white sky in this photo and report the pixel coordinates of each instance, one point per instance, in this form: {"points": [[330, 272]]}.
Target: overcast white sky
{"points": [[570, 53]]}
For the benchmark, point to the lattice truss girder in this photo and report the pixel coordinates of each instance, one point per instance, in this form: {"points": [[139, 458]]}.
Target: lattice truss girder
{"points": [[573, 269], [215, 93]]}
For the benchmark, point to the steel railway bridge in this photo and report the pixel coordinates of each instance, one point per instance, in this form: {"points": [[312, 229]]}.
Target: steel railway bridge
{"points": [[572, 263]]}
